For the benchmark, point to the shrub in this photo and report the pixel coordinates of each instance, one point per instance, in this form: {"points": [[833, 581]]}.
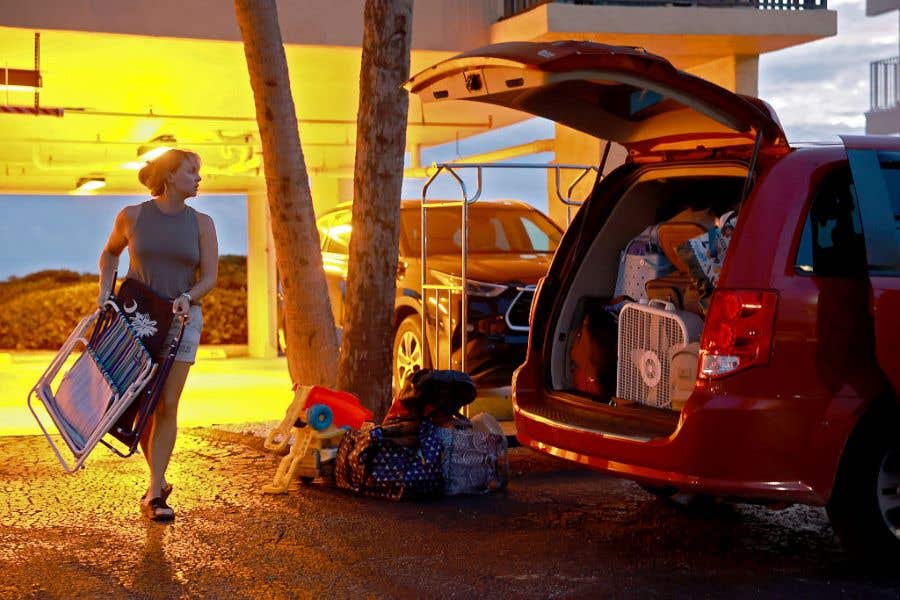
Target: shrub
{"points": [[43, 319], [225, 317], [39, 311], [41, 280], [232, 272]]}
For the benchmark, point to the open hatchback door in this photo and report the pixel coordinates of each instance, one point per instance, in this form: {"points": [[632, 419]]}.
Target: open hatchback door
{"points": [[617, 93]]}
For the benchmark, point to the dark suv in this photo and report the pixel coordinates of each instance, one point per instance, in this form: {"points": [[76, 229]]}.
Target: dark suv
{"points": [[510, 245], [778, 383]]}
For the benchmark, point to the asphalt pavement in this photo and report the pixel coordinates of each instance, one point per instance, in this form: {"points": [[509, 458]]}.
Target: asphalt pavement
{"points": [[557, 531]]}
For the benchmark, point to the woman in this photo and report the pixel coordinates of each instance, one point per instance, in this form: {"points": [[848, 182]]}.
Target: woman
{"points": [[173, 250]]}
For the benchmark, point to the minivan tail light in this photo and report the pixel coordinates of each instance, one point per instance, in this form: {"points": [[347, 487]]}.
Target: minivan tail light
{"points": [[534, 298], [738, 331]]}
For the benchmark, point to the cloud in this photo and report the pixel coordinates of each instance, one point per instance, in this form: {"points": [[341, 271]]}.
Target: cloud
{"points": [[821, 89]]}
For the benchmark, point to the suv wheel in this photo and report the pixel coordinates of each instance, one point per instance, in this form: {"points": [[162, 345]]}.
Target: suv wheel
{"points": [[864, 508], [408, 351]]}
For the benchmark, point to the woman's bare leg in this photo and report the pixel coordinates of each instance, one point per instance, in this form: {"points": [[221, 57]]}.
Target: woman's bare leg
{"points": [[161, 440], [145, 447], [145, 441]]}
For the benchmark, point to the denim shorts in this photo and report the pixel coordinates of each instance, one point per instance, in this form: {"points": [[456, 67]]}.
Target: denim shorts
{"points": [[190, 339]]}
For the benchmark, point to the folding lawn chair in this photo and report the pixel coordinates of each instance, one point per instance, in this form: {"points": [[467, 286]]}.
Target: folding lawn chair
{"points": [[110, 391]]}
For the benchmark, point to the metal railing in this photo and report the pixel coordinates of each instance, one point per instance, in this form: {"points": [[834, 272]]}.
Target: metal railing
{"points": [[428, 289], [514, 7], [884, 77]]}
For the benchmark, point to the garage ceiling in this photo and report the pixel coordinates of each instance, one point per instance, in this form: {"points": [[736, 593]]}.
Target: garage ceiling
{"points": [[119, 92]]}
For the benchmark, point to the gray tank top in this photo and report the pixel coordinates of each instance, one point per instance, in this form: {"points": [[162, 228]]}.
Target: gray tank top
{"points": [[164, 250]]}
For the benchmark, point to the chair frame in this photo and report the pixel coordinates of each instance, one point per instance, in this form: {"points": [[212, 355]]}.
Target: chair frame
{"points": [[124, 394]]}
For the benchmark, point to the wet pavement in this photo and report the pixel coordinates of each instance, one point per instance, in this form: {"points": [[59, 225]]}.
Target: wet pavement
{"points": [[558, 531]]}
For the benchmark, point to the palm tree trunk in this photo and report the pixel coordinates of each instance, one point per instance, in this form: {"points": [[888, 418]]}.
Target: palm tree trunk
{"points": [[311, 340], [366, 348]]}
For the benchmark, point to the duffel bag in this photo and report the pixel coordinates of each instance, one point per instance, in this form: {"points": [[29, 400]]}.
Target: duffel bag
{"points": [[352, 455], [370, 463], [476, 457], [438, 395]]}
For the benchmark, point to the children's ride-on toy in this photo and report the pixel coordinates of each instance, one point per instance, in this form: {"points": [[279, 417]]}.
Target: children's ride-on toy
{"points": [[317, 419]]}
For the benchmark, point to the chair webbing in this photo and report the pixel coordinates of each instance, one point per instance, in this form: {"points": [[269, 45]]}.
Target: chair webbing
{"points": [[119, 353]]}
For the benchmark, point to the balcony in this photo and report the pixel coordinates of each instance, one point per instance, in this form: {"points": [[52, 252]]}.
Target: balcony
{"points": [[883, 117], [689, 33], [884, 76], [515, 7]]}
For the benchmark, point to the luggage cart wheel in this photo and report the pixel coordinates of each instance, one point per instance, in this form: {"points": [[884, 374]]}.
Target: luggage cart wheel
{"points": [[319, 417]]}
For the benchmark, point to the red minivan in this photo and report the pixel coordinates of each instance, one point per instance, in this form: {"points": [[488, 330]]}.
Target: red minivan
{"points": [[792, 390]]}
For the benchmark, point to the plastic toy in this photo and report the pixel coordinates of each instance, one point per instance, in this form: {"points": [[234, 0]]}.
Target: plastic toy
{"points": [[328, 414]]}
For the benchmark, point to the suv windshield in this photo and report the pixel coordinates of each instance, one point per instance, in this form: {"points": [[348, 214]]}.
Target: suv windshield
{"points": [[492, 229]]}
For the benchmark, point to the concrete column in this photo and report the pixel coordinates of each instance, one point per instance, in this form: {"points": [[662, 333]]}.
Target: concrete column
{"points": [[736, 73], [574, 147], [328, 191], [262, 284]]}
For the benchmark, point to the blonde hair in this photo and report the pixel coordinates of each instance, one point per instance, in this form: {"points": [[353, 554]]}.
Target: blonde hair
{"points": [[153, 175]]}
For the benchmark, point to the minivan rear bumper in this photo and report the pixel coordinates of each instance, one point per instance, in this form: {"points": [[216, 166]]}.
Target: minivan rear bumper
{"points": [[741, 448]]}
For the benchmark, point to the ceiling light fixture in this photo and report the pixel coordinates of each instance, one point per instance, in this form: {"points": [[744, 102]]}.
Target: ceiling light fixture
{"points": [[87, 185], [21, 80], [153, 153], [151, 150]]}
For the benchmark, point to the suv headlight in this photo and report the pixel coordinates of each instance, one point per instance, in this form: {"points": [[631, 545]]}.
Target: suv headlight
{"points": [[473, 287]]}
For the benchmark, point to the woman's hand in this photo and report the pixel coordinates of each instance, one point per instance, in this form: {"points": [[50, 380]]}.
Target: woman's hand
{"points": [[182, 307], [104, 295]]}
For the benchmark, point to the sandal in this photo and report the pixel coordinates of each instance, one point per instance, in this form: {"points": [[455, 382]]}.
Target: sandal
{"points": [[157, 510], [164, 493]]}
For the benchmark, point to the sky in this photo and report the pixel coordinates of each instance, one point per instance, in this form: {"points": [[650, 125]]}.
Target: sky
{"points": [[819, 90], [69, 232]]}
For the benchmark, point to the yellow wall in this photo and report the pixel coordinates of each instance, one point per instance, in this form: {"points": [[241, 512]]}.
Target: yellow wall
{"points": [[736, 73]]}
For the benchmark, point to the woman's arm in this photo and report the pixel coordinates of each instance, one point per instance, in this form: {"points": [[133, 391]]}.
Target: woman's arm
{"points": [[109, 258], [209, 258]]}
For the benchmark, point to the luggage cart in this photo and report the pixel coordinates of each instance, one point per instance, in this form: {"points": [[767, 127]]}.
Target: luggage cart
{"points": [[109, 393], [439, 289]]}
